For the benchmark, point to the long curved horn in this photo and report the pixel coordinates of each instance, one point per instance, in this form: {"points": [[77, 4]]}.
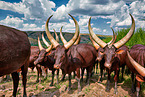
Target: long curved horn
{"points": [[78, 40], [57, 38], [41, 47], [128, 35], [49, 48], [44, 40], [94, 43], [93, 35], [61, 36], [140, 69], [71, 42], [50, 37], [39, 44], [113, 39]]}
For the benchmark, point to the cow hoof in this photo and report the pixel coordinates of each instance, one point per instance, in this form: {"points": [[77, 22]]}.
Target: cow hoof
{"points": [[62, 80], [37, 81], [81, 79], [115, 92], [51, 85], [133, 90], [107, 89], [79, 90], [68, 89], [24, 95]]}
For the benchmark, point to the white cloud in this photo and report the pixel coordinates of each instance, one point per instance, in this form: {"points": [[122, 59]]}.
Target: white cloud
{"points": [[14, 21], [39, 10], [32, 9]]}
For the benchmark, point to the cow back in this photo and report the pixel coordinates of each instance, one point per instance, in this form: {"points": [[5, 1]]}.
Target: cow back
{"points": [[14, 49], [84, 53]]}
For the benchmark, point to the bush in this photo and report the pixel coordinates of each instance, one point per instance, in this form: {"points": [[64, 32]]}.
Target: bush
{"points": [[137, 38]]}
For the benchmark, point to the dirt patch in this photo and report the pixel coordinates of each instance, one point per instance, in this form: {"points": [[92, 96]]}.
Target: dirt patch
{"points": [[95, 89]]}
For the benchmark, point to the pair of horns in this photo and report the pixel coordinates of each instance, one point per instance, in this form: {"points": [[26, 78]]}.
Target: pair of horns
{"points": [[117, 44], [109, 43], [48, 45], [65, 42], [140, 69], [68, 44]]}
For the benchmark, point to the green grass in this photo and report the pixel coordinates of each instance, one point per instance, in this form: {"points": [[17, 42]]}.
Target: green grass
{"points": [[137, 38]]}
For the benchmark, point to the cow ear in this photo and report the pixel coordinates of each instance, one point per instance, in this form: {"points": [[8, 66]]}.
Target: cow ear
{"points": [[119, 52]]}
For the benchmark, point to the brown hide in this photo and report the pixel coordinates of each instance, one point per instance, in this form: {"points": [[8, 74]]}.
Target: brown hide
{"points": [[14, 55], [45, 59], [121, 54], [15, 49], [137, 52], [75, 57], [33, 56]]}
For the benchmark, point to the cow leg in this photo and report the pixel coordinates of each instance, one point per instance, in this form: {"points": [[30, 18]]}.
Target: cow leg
{"points": [[39, 72], [89, 71], [63, 76], [122, 71], [24, 69], [74, 74], [57, 76], [83, 69], [46, 73], [137, 88], [116, 79], [69, 86], [93, 70], [133, 84], [15, 77], [96, 67], [108, 81], [52, 78], [101, 72], [78, 79]]}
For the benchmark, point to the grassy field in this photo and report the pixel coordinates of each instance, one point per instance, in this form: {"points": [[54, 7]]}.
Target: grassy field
{"points": [[95, 89]]}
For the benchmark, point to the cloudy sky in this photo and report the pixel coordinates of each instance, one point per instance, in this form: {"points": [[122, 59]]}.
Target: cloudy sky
{"points": [[31, 15]]}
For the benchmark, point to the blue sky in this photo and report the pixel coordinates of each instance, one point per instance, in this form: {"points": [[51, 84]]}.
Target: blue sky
{"points": [[31, 15]]}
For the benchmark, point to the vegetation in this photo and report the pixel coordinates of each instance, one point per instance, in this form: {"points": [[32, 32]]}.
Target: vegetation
{"points": [[137, 38]]}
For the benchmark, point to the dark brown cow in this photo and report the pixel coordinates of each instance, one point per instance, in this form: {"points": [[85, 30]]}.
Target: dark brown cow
{"points": [[46, 59], [34, 55], [14, 55], [78, 57], [137, 52], [112, 62]]}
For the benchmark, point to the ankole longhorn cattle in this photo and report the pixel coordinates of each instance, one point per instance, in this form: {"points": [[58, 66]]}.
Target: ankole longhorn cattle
{"points": [[14, 55], [65, 42], [137, 53], [75, 59], [112, 62], [46, 57]]}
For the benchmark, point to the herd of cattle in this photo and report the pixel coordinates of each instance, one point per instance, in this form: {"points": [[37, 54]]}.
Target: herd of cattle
{"points": [[17, 54]]}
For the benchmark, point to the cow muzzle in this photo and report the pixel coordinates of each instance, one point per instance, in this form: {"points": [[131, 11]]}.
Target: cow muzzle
{"points": [[107, 65], [99, 59], [56, 66]]}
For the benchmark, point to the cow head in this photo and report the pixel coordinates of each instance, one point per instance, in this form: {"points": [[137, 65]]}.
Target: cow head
{"points": [[140, 69], [61, 51], [42, 52], [110, 48]]}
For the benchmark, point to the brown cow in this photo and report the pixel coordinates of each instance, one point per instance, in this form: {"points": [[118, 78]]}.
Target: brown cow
{"points": [[46, 58], [14, 55], [33, 56], [137, 52], [73, 60], [110, 50]]}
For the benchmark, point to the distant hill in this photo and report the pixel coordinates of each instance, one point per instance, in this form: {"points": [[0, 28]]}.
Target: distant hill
{"points": [[33, 36]]}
